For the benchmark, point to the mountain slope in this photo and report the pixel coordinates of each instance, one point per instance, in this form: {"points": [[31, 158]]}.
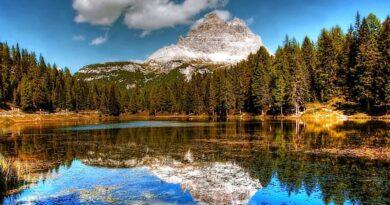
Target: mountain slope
{"points": [[210, 44], [212, 40], [129, 74]]}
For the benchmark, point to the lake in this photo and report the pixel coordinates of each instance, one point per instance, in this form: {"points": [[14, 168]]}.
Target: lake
{"points": [[196, 162]]}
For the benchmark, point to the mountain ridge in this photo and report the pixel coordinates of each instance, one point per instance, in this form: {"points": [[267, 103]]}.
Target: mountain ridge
{"points": [[212, 40], [210, 44]]}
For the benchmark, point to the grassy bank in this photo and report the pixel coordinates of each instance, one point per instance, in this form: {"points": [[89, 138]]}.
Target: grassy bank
{"points": [[314, 112], [18, 117], [65, 117]]}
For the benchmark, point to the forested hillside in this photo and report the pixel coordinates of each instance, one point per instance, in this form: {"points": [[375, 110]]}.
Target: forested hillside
{"points": [[352, 65], [31, 84]]}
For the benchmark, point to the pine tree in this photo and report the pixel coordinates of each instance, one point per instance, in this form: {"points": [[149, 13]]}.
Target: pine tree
{"points": [[310, 62], [113, 104], [104, 102], [379, 74], [69, 95], [93, 97], [367, 62], [281, 76], [327, 66], [78, 95], [237, 75], [338, 41], [260, 84], [384, 47], [211, 102], [299, 81], [279, 92], [6, 72], [39, 92], [26, 91], [224, 94]]}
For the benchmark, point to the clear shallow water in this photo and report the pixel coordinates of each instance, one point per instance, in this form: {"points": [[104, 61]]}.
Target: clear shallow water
{"points": [[162, 162], [138, 124], [82, 184]]}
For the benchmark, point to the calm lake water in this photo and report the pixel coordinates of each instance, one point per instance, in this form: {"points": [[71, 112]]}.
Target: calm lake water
{"points": [[192, 162]]}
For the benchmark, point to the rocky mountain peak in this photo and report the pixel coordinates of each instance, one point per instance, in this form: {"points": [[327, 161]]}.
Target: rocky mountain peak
{"points": [[214, 40]]}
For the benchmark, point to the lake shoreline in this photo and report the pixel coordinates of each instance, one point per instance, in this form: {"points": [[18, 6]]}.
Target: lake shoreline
{"points": [[20, 117]]}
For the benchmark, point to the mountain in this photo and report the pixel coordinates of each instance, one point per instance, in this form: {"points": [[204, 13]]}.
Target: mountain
{"points": [[212, 40], [211, 43]]}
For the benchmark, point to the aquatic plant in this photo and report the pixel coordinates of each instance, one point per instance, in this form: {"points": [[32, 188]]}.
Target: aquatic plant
{"points": [[9, 179]]}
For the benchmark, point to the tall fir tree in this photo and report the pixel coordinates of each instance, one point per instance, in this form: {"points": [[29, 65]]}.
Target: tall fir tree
{"points": [[310, 63], [367, 62], [113, 104], [327, 66], [260, 84], [384, 47], [299, 93], [281, 77]]}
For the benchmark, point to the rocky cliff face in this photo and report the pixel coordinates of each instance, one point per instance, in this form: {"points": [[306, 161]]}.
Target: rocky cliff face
{"points": [[212, 40]]}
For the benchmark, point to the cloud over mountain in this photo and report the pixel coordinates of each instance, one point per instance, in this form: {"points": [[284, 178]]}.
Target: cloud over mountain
{"points": [[140, 14]]}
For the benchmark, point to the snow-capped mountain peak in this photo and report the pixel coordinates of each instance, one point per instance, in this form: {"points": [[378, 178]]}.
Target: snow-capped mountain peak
{"points": [[212, 39]]}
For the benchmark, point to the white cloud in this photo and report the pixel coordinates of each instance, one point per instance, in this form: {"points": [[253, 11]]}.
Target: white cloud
{"points": [[250, 20], [144, 33], [141, 14], [99, 40], [78, 38], [223, 14], [99, 12]]}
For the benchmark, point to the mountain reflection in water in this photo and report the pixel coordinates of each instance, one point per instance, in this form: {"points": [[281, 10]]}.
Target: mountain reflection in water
{"points": [[84, 184], [268, 162]]}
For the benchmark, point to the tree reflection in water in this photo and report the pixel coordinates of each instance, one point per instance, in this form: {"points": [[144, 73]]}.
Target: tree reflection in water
{"points": [[278, 154]]}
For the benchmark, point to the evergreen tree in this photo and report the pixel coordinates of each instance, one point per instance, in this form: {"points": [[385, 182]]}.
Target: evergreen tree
{"points": [[93, 96], [260, 84], [327, 66], [384, 47], [338, 41], [104, 104], [69, 95], [26, 91], [113, 104], [281, 78], [299, 83], [279, 92], [211, 102], [310, 62], [237, 75], [6, 72], [367, 62]]}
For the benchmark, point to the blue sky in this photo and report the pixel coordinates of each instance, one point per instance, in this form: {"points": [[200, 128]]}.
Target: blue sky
{"points": [[75, 33]]}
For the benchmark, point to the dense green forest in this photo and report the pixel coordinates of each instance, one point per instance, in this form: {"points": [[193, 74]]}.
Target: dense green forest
{"points": [[32, 84], [353, 66]]}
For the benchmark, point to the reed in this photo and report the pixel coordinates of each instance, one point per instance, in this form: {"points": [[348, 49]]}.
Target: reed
{"points": [[9, 178]]}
